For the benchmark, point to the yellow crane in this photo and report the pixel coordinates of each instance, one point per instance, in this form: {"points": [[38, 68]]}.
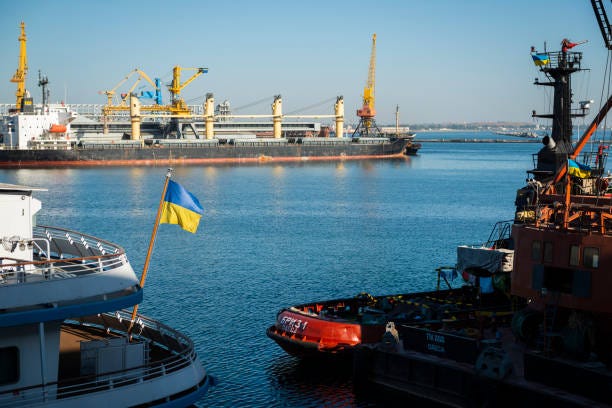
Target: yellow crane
{"points": [[20, 76], [110, 108], [367, 113], [142, 75], [179, 107]]}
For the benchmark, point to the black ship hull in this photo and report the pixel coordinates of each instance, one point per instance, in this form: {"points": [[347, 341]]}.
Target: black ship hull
{"points": [[176, 152]]}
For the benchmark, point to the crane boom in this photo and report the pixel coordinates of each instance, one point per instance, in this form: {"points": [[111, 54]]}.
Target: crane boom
{"points": [[604, 23], [22, 68], [109, 94], [368, 110], [142, 75], [371, 84]]}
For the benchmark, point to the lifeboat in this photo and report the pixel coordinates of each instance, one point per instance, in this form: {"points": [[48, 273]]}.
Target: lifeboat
{"points": [[56, 128]]}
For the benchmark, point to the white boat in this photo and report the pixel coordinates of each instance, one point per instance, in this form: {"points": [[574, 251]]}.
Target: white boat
{"points": [[65, 335]]}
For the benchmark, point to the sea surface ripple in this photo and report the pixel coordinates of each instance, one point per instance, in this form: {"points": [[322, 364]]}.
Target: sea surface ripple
{"points": [[276, 235]]}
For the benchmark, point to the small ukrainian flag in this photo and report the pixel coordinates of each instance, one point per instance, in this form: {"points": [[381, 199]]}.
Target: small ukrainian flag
{"points": [[540, 59], [181, 207], [578, 169]]}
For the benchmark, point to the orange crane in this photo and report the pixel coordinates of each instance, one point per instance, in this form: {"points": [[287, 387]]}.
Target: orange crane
{"points": [[20, 76], [367, 114]]}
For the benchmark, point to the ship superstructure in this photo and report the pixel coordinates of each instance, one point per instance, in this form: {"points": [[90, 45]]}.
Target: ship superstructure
{"points": [[65, 338]]}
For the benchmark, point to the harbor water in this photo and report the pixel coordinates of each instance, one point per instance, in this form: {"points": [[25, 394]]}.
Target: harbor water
{"points": [[274, 235]]}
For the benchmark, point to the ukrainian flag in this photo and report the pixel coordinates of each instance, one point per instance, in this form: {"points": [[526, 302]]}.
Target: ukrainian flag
{"points": [[578, 169], [540, 59], [181, 207]]}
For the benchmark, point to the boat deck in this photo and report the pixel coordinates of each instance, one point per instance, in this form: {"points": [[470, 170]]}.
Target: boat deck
{"points": [[131, 363]]}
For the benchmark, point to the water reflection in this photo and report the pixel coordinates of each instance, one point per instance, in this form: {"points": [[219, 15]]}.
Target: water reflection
{"points": [[314, 383]]}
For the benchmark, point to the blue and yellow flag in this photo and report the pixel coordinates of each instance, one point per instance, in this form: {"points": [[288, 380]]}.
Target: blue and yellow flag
{"points": [[181, 207], [540, 59], [578, 169]]}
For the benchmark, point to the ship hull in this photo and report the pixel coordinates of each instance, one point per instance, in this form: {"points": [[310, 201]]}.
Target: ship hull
{"points": [[177, 153], [336, 327]]}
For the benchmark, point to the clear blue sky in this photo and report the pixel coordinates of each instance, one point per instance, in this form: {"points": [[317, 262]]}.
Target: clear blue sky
{"points": [[440, 61]]}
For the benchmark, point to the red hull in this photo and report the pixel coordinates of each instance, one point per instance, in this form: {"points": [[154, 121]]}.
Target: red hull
{"points": [[299, 334], [336, 327]]}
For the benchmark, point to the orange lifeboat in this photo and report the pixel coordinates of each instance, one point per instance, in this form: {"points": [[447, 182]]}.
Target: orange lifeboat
{"points": [[57, 128]]}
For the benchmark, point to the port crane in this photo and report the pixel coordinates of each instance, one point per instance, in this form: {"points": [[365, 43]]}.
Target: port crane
{"points": [[178, 105], [141, 75], [22, 68], [367, 114], [177, 110]]}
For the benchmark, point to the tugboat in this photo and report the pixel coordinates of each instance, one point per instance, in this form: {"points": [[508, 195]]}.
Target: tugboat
{"points": [[336, 327], [557, 349], [64, 339]]}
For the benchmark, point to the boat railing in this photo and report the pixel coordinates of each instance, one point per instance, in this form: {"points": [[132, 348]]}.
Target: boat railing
{"points": [[559, 59], [499, 234], [178, 350], [498, 237], [60, 253]]}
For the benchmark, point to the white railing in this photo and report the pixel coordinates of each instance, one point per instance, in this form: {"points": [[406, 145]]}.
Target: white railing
{"points": [[61, 253], [178, 348]]}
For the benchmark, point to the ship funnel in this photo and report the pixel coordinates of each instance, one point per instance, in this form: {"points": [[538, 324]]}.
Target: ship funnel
{"points": [[549, 142]]}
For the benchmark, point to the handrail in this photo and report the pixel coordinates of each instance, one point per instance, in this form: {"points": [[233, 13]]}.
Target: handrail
{"points": [[154, 333], [65, 256]]}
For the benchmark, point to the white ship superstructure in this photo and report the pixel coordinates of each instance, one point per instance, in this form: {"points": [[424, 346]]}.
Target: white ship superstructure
{"points": [[65, 340]]}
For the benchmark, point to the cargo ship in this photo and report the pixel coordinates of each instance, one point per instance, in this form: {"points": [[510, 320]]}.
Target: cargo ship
{"points": [[50, 135], [47, 139]]}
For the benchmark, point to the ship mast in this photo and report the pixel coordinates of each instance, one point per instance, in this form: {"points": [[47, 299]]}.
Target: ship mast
{"points": [[43, 81], [397, 120], [558, 67]]}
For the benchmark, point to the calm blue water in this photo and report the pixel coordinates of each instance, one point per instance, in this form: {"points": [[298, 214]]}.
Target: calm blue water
{"points": [[276, 235]]}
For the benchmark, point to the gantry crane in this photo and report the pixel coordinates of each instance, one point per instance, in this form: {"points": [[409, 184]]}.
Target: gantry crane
{"points": [[20, 76], [367, 114]]}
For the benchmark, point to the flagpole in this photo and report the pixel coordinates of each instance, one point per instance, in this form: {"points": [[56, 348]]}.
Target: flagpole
{"points": [[143, 277]]}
